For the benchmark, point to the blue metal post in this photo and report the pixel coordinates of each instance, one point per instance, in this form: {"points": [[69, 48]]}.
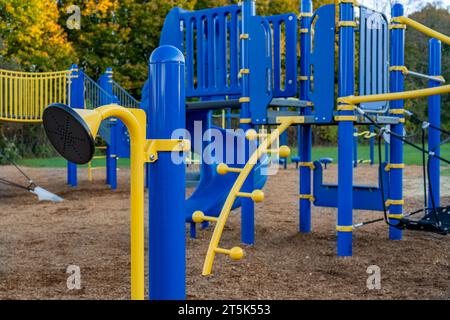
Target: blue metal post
{"points": [[167, 244], [434, 117], [372, 146], [305, 131], [355, 149], [396, 145], [284, 142], [76, 90], [248, 206], [345, 132], [105, 82]]}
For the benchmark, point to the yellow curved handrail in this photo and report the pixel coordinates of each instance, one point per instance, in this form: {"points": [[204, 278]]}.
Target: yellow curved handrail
{"points": [[422, 28], [24, 95], [284, 123], [405, 95]]}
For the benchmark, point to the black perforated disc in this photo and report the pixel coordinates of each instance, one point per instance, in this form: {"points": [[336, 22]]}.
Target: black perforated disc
{"points": [[68, 133]]}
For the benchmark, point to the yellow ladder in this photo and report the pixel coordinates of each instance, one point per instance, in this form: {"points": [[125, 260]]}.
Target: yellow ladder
{"points": [[236, 253]]}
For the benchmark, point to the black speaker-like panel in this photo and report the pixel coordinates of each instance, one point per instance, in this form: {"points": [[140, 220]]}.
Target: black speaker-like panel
{"points": [[68, 133]]}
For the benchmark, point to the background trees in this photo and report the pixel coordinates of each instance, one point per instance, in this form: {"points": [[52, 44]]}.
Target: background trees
{"points": [[121, 34]]}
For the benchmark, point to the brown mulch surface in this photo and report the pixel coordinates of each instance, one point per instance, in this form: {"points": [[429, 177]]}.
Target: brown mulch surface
{"points": [[91, 229]]}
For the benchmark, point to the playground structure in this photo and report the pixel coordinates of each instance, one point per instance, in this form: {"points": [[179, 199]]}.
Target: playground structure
{"points": [[230, 58]]}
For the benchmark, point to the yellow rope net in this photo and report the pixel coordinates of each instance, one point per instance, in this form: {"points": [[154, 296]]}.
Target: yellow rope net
{"points": [[24, 95]]}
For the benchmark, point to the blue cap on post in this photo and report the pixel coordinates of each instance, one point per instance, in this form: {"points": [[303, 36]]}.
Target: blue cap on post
{"points": [[167, 54]]}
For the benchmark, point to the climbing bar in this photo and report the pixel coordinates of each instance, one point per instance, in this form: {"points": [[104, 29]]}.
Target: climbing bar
{"points": [[395, 96], [199, 217], [422, 28], [223, 169], [256, 195], [283, 151], [286, 122], [253, 135], [235, 253]]}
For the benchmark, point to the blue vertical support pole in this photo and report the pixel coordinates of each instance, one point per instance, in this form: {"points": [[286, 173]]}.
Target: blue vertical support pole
{"points": [[305, 131], [396, 145], [345, 131], [106, 83], [167, 113], [248, 206], [284, 142], [355, 148], [434, 118], [76, 91], [372, 146]]}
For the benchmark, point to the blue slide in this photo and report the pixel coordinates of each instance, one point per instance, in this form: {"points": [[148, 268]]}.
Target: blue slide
{"points": [[213, 189]]}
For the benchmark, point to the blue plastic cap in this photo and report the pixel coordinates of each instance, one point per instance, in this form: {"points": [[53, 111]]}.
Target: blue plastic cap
{"points": [[74, 66], [167, 54], [397, 10]]}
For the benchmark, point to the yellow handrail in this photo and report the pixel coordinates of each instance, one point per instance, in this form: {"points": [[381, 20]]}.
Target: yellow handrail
{"points": [[24, 95], [395, 96], [284, 123], [422, 28]]}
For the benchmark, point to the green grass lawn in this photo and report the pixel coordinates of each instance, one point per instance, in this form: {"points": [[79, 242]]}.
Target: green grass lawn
{"points": [[412, 157]]}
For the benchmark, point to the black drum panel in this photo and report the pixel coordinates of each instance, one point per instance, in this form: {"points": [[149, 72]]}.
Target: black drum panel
{"points": [[68, 133]]}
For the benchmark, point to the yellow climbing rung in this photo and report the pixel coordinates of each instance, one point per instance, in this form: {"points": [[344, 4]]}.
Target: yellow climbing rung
{"points": [[235, 253], [199, 217], [24, 95], [223, 169], [256, 195]]}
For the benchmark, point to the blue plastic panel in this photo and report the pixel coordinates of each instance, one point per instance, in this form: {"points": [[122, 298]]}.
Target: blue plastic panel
{"points": [[374, 59], [322, 64], [364, 197], [209, 40], [284, 39], [260, 64]]}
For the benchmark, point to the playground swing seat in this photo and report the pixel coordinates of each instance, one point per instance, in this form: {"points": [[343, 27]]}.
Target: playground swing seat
{"points": [[41, 193]]}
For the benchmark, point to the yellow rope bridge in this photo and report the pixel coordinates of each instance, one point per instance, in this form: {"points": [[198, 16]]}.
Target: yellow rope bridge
{"points": [[24, 95]]}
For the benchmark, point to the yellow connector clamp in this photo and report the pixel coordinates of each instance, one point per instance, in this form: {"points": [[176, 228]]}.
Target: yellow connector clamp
{"points": [[244, 100], [344, 228], [391, 166], [394, 203], [345, 118], [307, 165], [309, 197], [153, 147], [396, 216], [403, 69]]}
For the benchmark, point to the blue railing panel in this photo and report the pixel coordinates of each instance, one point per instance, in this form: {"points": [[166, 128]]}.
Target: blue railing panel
{"points": [[284, 39], [209, 40], [374, 59], [322, 64]]}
